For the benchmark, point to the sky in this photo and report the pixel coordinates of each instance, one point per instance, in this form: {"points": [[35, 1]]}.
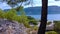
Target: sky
{"points": [[35, 3]]}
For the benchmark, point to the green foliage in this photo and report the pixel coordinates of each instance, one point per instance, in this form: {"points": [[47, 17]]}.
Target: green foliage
{"points": [[10, 14], [51, 32], [35, 28], [57, 25], [32, 20], [20, 8], [23, 17], [1, 14], [17, 18], [24, 20]]}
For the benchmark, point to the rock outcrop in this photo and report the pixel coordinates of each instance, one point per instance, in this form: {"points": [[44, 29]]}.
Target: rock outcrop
{"points": [[11, 27]]}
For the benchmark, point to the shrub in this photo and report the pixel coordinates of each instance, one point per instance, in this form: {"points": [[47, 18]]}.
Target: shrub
{"points": [[1, 14], [57, 25], [10, 14], [51, 32], [32, 20]]}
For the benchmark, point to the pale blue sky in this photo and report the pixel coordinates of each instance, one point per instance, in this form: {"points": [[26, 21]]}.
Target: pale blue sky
{"points": [[35, 3]]}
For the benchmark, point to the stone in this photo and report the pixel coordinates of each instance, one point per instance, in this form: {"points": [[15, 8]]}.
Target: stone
{"points": [[11, 27]]}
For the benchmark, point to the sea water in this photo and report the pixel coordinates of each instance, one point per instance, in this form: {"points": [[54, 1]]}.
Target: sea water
{"points": [[49, 17]]}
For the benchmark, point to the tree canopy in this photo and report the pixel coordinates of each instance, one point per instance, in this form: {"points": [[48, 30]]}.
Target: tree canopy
{"points": [[14, 3]]}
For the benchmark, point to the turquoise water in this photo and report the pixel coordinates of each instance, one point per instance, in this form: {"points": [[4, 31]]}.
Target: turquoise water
{"points": [[50, 16]]}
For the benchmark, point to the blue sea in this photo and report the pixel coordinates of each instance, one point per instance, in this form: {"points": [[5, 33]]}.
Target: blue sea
{"points": [[49, 16], [53, 12]]}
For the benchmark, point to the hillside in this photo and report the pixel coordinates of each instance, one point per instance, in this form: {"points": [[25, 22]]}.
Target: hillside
{"points": [[37, 10]]}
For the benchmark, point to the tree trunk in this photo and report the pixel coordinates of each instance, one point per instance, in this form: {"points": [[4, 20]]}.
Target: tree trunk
{"points": [[42, 26]]}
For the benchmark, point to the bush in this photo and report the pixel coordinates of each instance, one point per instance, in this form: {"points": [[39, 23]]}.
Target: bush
{"points": [[57, 25], [35, 28], [51, 32], [1, 14], [32, 20], [25, 21], [10, 14]]}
